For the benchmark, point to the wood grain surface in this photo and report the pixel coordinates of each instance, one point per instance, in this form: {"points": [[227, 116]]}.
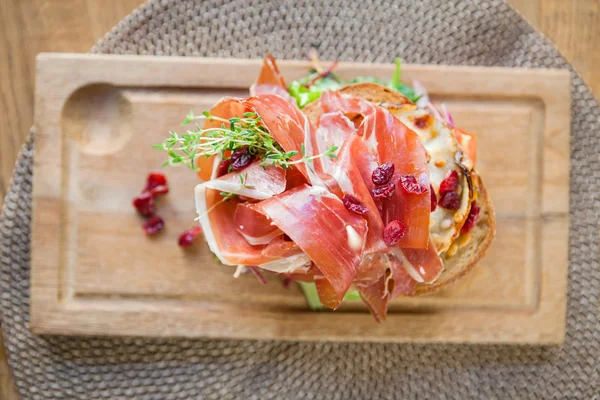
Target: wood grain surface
{"points": [[95, 273], [31, 26]]}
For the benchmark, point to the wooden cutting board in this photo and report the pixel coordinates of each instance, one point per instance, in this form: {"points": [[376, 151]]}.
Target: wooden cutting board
{"points": [[95, 273]]}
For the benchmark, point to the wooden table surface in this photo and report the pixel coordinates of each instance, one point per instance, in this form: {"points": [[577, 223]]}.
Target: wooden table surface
{"points": [[31, 26]]}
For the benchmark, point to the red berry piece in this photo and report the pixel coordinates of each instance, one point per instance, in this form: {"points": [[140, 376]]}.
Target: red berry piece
{"points": [[144, 203], [154, 180], [223, 168], [187, 238], [154, 225], [471, 219], [450, 183], [393, 232], [433, 198], [241, 158], [450, 201], [384, 192], [158, 190], [353, 205], [410, 185], [382, 174]]}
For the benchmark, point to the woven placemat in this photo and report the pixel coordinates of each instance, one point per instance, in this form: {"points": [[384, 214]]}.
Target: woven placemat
{"points": [[438, 32]]}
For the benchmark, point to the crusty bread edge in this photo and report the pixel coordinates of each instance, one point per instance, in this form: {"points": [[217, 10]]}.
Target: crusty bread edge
{"points": [[484, 232], [467, 256]]}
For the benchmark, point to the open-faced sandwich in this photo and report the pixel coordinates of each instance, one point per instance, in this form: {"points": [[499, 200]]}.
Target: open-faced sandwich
{"points": [[360, 187]]}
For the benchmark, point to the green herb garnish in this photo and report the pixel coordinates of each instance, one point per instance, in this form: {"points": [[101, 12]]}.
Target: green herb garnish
{"points": [[234, 133]]}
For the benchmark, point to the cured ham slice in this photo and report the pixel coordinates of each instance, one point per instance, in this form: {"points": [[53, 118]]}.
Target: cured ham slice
{"points": [[350, 180], [280, 247], [302, 274], [333, 130], [321, 226], [216, 218], [376, 298], [327, 293], [468, 142], [287, 265], [371, 269], [403, 148], [217, 215], [390, 141], [226, 108], [294, 178], [423, 265], [399, 282], [270, 81], [254, 226], [253, 181], [285, 122]]}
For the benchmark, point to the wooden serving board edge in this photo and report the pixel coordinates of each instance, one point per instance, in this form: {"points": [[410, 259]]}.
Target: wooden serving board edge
{"points": [[57, 313]]}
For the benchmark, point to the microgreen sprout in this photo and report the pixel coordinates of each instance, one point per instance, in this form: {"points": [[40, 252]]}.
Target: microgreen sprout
{"points": [[234, 133]]}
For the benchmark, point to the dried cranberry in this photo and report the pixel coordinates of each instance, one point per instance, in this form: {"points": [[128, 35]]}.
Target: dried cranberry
{"points": [[410, 185], [187, 238], [450, 201], [422, 122], [471, 219], [384, 192], [158, 190], [144, 203], [155, 179], [353, 205], [450, 183], [241, 158], [287, 238], [393, 232], [223, 168], [382, 174], [154, 225], [433, 198]]}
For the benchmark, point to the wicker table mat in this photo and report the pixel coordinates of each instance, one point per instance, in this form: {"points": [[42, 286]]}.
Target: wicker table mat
{"points": [[438, 32]]}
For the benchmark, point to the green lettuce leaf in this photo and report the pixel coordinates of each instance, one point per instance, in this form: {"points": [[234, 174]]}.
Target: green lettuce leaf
{"points": [[312, 297], [304, 95]]}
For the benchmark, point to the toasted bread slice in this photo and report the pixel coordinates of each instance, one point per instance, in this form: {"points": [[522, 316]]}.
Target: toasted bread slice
{"points": [[466, 250]]}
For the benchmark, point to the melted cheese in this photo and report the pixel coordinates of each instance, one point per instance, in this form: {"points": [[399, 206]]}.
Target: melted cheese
{"points": [[441, 144]]}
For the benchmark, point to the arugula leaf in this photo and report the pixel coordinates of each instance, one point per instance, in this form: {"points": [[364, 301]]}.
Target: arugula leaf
{"points": [[305, 95]]}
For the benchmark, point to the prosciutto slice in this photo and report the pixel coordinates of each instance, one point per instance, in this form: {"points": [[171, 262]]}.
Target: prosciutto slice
{"points": [[333, 130], [226, 108], [376, 297], [256, 228], [216, 218], [399, 282], [217, 215], [423, 265], [253, 181], [270, 81], [285, 122], [389, 141], [351, 182], [320, 225]]}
